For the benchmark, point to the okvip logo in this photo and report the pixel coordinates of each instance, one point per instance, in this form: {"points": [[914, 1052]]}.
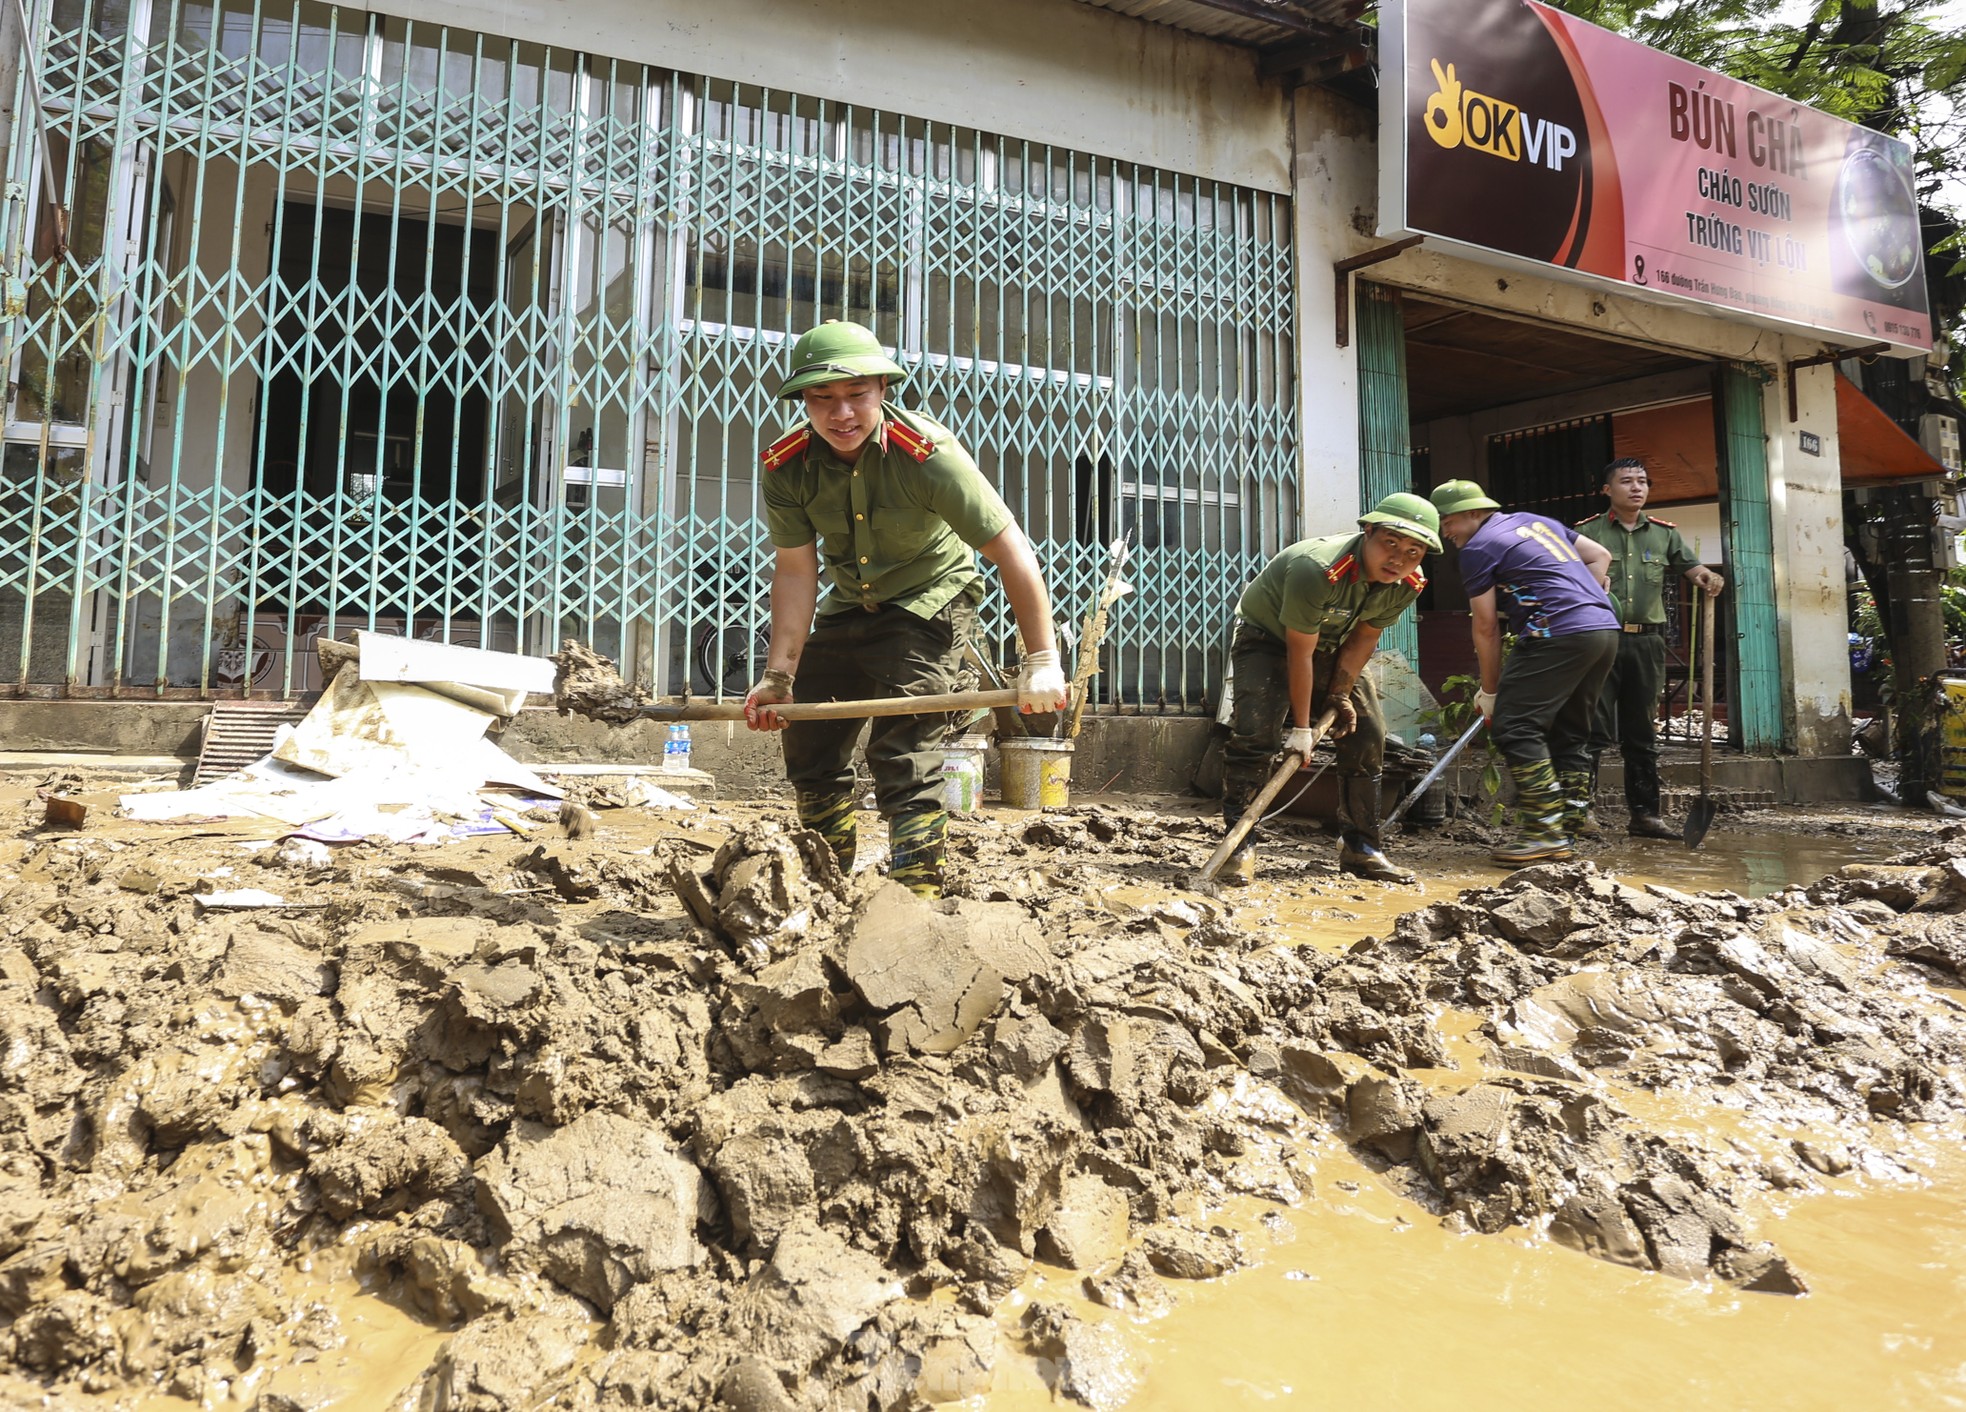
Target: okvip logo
{"points": [[1457, 116]]}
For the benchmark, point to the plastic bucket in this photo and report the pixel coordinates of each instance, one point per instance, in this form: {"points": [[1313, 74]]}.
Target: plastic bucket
{"points": [[1036, 773], [962, 775]]}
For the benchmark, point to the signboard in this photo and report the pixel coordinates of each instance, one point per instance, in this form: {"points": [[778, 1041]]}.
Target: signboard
{"points": [[1527, 135]]}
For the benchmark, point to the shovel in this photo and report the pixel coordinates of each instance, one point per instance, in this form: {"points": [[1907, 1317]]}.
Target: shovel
{"points": [[1453, 753], [1700, 817], [838, 710], [1292, 762]]}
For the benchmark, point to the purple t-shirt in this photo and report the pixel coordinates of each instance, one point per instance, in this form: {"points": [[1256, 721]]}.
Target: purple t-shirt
{"points": [[1533, 560]]}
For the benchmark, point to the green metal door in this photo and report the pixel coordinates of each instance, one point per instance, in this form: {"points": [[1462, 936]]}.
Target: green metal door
{"points": [[373, 322], [1385, 439], [1756, 678]]}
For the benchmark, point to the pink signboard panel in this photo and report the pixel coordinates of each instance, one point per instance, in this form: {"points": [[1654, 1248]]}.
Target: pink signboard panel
{"points": [[1521, 131]]}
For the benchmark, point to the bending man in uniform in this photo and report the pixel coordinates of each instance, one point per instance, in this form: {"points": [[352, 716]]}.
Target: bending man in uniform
{"points": [[1309, 623], [1539, 703], [894, 507], [1644, 550]]}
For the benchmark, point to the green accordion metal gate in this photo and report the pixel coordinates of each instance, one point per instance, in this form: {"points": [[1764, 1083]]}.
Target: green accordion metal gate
{"points": [[365, 323]]}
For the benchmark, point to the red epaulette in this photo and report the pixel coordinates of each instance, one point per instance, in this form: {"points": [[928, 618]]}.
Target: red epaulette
{"points": [[1415, 580], [1344, 568], [1657, 521], [909, 440], [786, 447], [1579, 524]]}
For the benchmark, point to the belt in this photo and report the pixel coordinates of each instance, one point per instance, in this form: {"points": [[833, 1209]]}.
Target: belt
{"points": [[1642, 627]]}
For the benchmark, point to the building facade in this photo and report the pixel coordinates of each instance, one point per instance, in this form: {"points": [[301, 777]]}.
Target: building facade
{"points": [[462, 320]]}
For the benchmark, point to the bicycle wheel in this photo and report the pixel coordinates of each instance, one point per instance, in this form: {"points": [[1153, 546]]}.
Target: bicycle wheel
{"points": [[728, 657]]}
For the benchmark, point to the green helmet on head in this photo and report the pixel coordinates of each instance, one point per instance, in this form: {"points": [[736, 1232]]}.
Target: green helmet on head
{"points": [[1406, 514], [835, 351], [1453, 496]]}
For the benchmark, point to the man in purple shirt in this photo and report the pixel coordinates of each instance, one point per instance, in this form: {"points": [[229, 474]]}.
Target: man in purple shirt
{"points": [[1539, 704]]}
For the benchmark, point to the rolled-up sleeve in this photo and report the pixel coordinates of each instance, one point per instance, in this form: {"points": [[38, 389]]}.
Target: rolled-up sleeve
{"points": [[958, 492]]}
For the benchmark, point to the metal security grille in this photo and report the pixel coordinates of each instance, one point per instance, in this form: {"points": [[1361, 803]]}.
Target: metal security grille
{"points": [[369, 323], [1755, 685]]}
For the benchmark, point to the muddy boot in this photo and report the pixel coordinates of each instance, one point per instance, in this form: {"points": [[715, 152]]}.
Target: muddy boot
{"points": [[1359, 850], [1364, 859], [1539, 818], [833, 817], [1577, 792], [1642, 798], [916, 845], [1239, 870]]}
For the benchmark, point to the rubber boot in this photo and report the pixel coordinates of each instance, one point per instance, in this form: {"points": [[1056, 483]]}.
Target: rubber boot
{"points": [[833, 817], [1577, 793], [1642, 797], [1539, 818], [1239, 868], [917, 843], [1359, 850]]}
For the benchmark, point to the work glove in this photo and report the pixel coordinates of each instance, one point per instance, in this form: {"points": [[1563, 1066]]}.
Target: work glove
{"points": [[1302, 739], [1485, 703], [1040, 682], [1344, 716], [774, 688]]}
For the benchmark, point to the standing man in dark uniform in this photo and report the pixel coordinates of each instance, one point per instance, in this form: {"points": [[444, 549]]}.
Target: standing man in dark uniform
{"points": [[1309, 623], [895, 508], [1644, 550], [1539, 703]]}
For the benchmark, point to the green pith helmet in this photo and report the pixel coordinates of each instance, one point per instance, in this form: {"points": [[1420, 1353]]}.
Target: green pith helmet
{"points": [[1452, 497], [834, 351], [1408, 515]]}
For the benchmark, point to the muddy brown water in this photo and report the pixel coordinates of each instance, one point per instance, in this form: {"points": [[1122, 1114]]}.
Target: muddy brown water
{"points": [[1355, 1299], [1358, 1302]]}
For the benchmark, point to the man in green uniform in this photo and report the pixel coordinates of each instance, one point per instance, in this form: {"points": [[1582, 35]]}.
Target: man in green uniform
{"points": [[895, 508], [1309, 623], [1644, 551]]}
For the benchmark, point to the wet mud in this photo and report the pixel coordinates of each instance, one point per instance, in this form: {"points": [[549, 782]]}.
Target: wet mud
{"points": [[587, 684], [677, 1116]]}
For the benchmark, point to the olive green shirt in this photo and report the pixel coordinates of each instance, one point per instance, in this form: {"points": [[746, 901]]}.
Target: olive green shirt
{"points": [[1640, 560], [1319, 585], [898, 526]]}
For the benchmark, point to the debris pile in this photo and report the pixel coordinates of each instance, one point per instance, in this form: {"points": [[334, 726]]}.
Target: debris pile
{"points": [[586, 684], [745, 1111]]}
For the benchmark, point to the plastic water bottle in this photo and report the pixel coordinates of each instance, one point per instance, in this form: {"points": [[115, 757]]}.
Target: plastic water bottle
{"points": [[675, 751], [1427, 740]]}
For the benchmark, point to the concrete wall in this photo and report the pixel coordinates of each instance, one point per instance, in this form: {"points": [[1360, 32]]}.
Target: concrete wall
{"points": [[1336, 202], [1120, 754], [1811, 598], [1047, 70]]}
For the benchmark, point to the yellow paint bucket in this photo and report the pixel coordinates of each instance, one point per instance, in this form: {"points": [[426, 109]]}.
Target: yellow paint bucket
{"points": [[1036, 773]]}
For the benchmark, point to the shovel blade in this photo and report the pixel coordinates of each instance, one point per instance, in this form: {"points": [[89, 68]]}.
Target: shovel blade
{"points": [[1698, 820]]}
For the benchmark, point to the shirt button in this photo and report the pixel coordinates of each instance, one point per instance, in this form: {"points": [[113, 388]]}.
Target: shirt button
{"points": [[863, 558], [856, 473], [859, 517], [866, 585]]}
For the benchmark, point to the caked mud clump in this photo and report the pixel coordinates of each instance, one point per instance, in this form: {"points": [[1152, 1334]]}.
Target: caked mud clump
{"points": [[586, 684], [700, 1127]]}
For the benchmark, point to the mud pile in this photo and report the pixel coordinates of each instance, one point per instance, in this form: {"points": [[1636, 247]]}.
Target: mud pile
{"points": [[700, 1126], [586, 684]]}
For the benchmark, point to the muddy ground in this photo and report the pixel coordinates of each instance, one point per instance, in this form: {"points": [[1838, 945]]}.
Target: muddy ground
{"points": [[675, 1116]]}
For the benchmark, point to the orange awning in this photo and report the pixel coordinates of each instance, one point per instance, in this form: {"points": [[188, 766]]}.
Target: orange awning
{"points": [[1876, 449]]}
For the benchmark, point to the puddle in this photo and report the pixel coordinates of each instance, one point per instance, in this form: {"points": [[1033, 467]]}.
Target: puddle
{"points": [[1368, 1303], [1752, 863], [1327, 1315]]}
